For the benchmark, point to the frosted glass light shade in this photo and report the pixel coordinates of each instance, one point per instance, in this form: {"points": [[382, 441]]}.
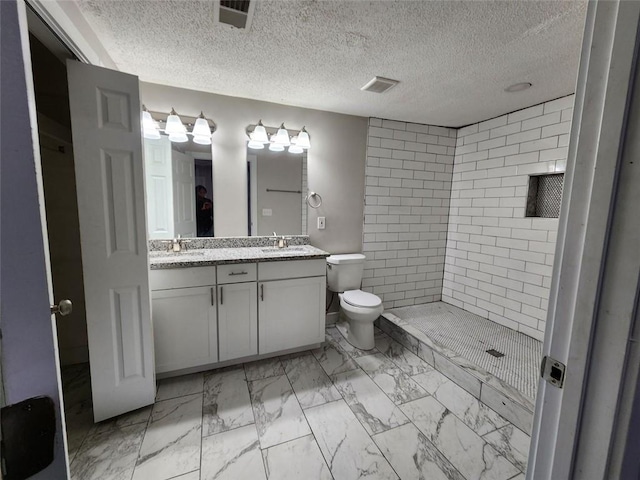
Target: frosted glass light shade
{"points": [[282, 137], [201, 128], [202, 139], [260, 134], [147, 121], [303, 139], [178, 137], [152, 134], [174, 124], [255, 145], [275, 147], [295, 149]]}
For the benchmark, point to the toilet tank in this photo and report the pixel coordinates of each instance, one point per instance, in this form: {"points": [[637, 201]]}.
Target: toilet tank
{"points": [[344, 272]]}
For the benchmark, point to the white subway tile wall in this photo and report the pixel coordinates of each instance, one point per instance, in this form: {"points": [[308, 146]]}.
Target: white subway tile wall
{"points": [[499, 262], [408, 187]]}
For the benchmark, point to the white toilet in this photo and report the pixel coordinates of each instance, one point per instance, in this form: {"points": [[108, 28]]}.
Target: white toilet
{"points": [[344, 274]]}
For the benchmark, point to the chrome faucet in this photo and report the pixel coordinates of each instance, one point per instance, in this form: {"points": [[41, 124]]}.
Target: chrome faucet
{"points": [[280, 242], [177, 244]]}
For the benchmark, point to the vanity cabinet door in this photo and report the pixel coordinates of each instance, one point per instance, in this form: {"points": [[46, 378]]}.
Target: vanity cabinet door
{"points": [[237, 320], [291, 313], [184, 327]]}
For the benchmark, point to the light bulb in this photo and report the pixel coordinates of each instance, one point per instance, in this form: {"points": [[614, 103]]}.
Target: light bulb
{"points": [[295, 149], [202, 139], [201, 127], [260, 133], [255, 145], [178, 137], [303, 139], [174, 124]]}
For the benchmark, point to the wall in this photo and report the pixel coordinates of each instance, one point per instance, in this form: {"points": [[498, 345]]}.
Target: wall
{"points": [[499, 263], [336, 160], [408, 184]]}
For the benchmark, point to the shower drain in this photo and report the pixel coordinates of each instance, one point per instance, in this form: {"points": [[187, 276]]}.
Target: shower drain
{"points": [[495, 353]]}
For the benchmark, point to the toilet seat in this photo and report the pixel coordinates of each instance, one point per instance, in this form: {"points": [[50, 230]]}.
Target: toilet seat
{"points": [[361, 299]]}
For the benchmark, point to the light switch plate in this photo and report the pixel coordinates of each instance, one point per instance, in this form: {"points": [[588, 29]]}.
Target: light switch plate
{"points": [[321, 223]]}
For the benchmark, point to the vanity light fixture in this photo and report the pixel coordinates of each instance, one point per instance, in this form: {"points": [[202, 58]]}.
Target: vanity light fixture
{"points": [[200, 127], [278, 140], [149, 126]]}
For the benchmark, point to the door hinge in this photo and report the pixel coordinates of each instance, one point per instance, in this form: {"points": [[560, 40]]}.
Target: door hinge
{"points": [[552, 371]]}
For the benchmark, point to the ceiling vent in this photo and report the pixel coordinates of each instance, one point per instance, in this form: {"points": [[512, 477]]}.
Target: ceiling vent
{"points": [[379, 85], [237, 13]]}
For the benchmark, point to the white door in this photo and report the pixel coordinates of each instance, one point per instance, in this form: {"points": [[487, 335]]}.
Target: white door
{"points": [[184, 326], [107, 141], [237, 320], [184, 195], [29, 362], [291, 313], [159, 183]]}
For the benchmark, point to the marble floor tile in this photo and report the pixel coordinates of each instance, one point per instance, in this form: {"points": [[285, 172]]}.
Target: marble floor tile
{"points": [[372, 407], [179, 386], [407, 361], [475, 414], [130, 418], [350, 452], [270, 367], [512, 443], [430, 381], [108, 456], [171, 444], [338, 335], [79, 422], [309, 381], [226, 403], [296, 459], [334, 359], [398, 386], [277, 412], [413, 456], [464, 448], [232, 455]]}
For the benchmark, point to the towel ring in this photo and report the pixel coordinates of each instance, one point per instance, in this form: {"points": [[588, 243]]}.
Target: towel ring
{"points": [[314, 204]]}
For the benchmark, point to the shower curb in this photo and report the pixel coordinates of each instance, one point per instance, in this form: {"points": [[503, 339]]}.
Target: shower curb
{"points": [[486, 387]]}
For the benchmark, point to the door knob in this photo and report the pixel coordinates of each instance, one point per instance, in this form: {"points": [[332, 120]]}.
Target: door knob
{"points": [[65, 307]]}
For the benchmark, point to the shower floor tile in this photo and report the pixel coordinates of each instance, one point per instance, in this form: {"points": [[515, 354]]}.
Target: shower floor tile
{"points": [[470, 336]]}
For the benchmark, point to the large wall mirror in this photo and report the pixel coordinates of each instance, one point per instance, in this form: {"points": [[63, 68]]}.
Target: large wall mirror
{"points": [[277, 186], [179, 184], [180, 193]]}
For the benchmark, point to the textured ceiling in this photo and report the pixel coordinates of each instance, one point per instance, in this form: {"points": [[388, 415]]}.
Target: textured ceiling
{"points": [[453, 58]]}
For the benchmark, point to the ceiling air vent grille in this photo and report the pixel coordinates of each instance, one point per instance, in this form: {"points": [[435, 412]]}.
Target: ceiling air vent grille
{"points": [[379, 85], [237, 13]]}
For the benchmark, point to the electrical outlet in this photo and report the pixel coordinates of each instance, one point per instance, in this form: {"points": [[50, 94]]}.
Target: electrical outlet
{"points": [[321, 223]]}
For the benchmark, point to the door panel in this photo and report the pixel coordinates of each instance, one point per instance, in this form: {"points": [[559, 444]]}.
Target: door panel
{"points": [[291, 313], [238, 320], [105, 118], [184, 194]]}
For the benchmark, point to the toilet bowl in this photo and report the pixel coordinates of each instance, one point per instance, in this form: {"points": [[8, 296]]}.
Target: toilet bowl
{"points": [[361, 310]]}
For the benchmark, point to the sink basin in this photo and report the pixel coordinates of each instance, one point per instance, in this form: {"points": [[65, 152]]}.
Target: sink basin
{"points": [[283, 250]]}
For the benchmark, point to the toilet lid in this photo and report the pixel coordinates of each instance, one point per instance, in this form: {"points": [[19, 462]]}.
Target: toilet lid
{"points": [[358, 298]]}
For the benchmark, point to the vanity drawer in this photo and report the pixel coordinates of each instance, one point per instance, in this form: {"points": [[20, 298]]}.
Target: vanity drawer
{"points": [[292, 269], [236, 273], [164, 279]]}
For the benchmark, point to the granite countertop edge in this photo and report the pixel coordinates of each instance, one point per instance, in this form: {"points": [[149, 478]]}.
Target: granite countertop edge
{"points": [[225, 256]]}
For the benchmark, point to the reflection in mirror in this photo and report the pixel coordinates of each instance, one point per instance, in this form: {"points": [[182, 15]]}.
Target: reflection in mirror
{"points": [[277, 186], [172, 173]]}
